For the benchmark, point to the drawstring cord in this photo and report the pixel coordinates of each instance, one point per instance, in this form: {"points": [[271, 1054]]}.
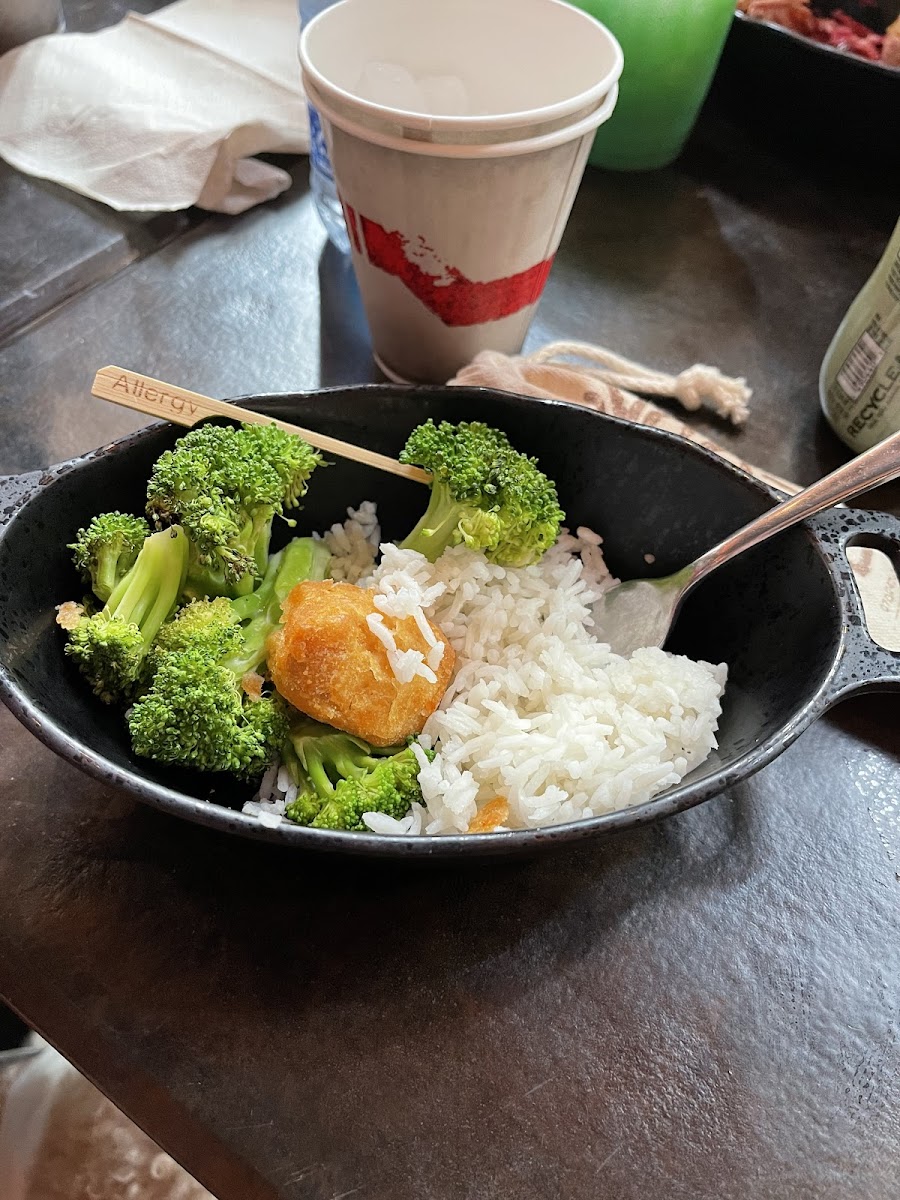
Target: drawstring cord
{"points": [[697, 387]]}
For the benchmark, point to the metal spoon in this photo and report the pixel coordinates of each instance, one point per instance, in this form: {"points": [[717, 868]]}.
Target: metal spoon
{"points": [[640, 612]]}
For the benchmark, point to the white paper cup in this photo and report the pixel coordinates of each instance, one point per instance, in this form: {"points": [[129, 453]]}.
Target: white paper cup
{"points": [[525, 64], [453, 229]]}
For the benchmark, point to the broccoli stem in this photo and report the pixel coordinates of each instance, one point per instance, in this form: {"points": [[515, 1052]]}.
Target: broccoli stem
{"points": [[262, 536], [315, 769], [246, 607], [148, 594], [207, 581], [301, 559], [432, 534], [107, 574]]}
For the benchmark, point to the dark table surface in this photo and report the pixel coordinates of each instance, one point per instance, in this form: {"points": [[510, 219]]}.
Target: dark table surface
{"points": [[708, 1008]]}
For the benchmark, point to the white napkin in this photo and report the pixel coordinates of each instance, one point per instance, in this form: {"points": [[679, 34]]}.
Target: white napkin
{"points": [[164, 111]]}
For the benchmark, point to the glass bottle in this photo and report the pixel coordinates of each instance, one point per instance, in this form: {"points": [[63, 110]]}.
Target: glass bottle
{"points": [[859, 384]]}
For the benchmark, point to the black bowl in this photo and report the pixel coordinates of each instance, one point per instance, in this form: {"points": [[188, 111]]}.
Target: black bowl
{"points": [[808, 97], [785, 617]]}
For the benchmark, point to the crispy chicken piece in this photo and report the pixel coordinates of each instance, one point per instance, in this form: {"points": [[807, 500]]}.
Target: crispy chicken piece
{"points": [[326, 660], [252, 683], [69, 614], [495, 812]]}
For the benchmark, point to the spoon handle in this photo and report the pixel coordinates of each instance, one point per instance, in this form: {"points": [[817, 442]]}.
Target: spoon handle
{"points": [[868, 470]]}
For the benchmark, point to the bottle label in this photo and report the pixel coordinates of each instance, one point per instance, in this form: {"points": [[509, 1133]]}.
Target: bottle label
{"points": [[860, 380], [860, 365], [865, 396], [318, 151]]}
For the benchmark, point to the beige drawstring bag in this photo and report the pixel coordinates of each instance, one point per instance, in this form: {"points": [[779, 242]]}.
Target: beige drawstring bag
{"points": [[61, 1139]]}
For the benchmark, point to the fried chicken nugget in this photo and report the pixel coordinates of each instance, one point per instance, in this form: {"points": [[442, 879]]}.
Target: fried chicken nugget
{"points": [[327, 662]]}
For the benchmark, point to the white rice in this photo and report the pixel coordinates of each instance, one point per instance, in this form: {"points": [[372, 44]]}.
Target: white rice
{"points": [[354, 544], [412, 823], [539, 711], [399, 595], [405, 664]]}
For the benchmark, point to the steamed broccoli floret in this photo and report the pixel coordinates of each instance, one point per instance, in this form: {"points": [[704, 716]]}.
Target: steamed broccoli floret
{"points": [[210, 624], [224, 485], [340, 777], [111, 647], [484, 493], [390, 788], [197, 712], [105, 550], [327, 755]]}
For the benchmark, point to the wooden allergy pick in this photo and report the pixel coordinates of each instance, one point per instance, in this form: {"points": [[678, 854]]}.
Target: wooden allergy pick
{"points": [[177, 404]]}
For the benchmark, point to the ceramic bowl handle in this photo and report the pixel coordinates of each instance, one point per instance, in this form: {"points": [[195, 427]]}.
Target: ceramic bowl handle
{"points": [[864, 665], [15, 490]]}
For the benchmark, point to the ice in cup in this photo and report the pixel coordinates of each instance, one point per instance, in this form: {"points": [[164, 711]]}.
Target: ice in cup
{"points": [[454, 216]]}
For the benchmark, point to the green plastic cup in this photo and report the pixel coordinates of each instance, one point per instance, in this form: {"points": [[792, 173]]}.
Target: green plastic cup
{"points": [[672, 48]]}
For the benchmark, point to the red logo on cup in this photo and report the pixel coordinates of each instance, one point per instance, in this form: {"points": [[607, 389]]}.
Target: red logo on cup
{"points": [[449, 294]]}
